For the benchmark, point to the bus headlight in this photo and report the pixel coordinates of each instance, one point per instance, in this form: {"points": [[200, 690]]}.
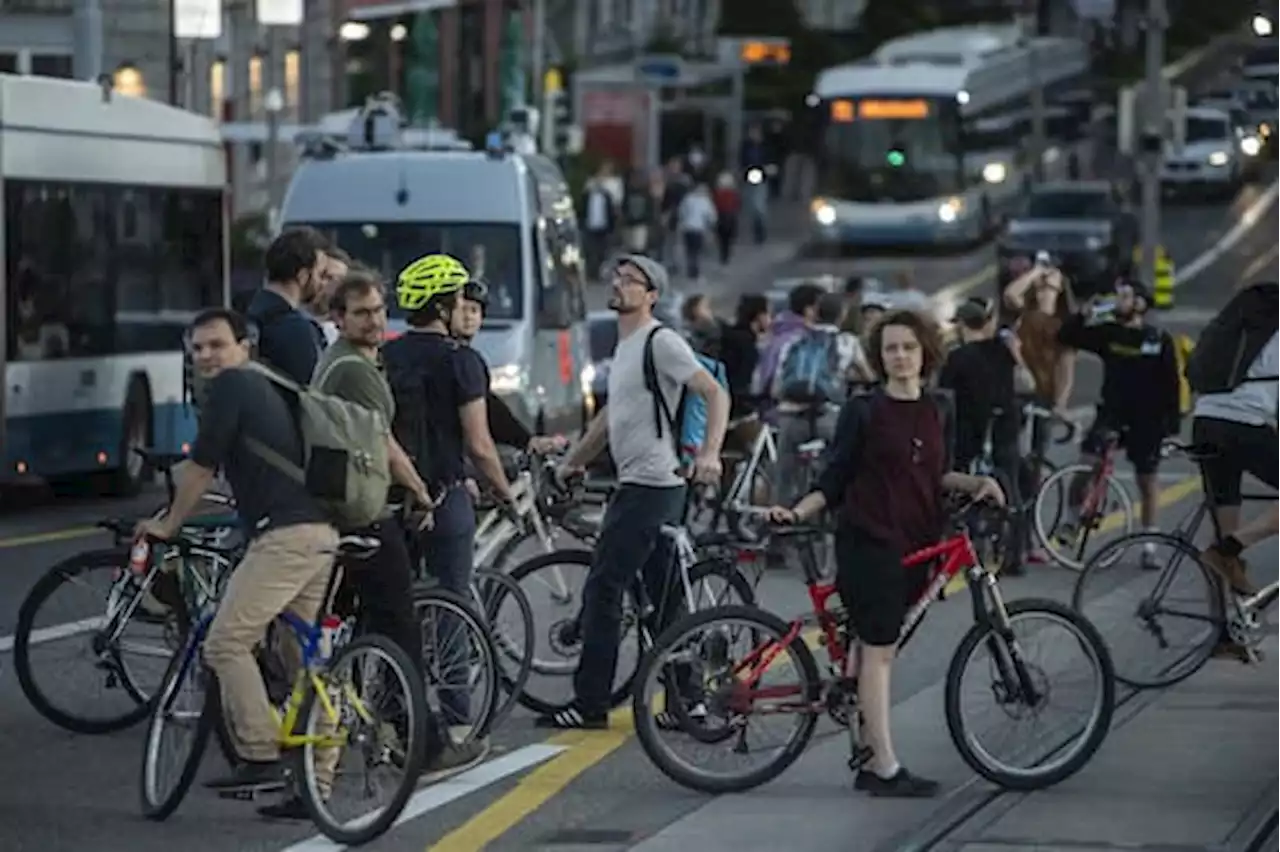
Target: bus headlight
{"points": [[824, 214], [1262, 27], [994, 172], [755, 176], [508, 379], [1251, 146], [1218, 158], [950, 209]]}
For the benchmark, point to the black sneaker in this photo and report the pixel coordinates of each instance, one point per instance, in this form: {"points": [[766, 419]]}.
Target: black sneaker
{"points": [[573, 719], [290, 808], [903, 785], [251, 777]]}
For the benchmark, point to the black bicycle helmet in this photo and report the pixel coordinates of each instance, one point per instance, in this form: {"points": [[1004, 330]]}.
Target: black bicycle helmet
{"points": [[476, 290]]}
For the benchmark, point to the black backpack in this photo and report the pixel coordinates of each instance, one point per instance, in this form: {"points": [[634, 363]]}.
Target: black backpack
{"points": [[413, 425], [1232, 340]]}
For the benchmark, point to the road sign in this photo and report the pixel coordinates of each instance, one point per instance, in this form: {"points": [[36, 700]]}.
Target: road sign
{"points": [[659, 69]]}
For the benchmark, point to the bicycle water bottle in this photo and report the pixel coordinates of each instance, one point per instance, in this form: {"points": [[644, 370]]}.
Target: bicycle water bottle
{"points": [[329, 627], [139, 557]]}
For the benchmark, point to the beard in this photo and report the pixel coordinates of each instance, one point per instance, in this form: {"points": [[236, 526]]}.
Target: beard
{"points": [[618, 305]]}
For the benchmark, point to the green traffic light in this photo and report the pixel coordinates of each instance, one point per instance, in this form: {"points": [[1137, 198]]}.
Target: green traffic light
{"points": [[896, 158]]}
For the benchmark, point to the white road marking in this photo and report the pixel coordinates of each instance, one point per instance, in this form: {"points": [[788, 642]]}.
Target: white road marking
{"points": [[56, 632], [1227, 241], [439, 795]]}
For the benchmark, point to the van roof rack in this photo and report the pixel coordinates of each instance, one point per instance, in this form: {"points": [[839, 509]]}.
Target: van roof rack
{"points": [[377, 126]]}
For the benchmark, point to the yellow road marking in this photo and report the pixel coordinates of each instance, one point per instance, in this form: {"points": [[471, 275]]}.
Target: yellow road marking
{"points": [[47, 537]]}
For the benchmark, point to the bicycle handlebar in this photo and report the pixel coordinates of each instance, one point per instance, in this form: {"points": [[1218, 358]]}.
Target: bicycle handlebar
{"points": [[1036, 411]]}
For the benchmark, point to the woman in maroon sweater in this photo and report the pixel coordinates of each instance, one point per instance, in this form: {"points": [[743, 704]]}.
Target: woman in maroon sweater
{"points": [[887, 469]]}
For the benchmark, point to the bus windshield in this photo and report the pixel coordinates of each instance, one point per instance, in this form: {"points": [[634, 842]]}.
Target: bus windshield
{"points": [[888, 149], [491, 251]]}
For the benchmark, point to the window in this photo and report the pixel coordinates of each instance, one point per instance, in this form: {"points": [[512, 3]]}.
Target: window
{"points": [[491, 250], [1069, 205], [51, 65], [217, 88], [100, 270], [292, 92], [255, 85], [128, 81], [1206, 130], [8, 63]]}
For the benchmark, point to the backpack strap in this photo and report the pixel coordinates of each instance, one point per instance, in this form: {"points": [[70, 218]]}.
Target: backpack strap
{"points": [[258, 448], [661, 412], [318, 379]]}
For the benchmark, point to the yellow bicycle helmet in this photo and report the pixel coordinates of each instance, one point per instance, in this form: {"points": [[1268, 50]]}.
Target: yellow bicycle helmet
{"points": [[429, 276]]}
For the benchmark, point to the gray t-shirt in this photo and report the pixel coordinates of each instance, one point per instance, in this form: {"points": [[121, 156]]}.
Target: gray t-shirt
{"points": [[641, 457]]}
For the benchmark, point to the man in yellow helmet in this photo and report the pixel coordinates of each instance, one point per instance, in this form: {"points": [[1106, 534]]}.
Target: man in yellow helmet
{"points": [[441, 420]]}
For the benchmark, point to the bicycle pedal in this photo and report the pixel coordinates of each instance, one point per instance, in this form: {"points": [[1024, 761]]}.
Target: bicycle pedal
{"points": [[250, 794], [860, 759]]}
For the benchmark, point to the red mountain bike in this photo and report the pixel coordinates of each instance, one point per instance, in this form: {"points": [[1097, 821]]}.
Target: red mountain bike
{"points": [[721, 693]]}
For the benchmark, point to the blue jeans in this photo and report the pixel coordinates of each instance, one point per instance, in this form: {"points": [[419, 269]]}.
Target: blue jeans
{"points": [[631, 545], [447, 552]]}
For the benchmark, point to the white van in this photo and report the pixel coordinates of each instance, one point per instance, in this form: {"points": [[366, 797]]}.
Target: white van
{"points": [[1215, 156], [509, 217]]}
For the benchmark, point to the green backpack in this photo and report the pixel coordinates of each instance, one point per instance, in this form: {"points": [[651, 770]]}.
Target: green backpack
{"points": [[345, 466]]}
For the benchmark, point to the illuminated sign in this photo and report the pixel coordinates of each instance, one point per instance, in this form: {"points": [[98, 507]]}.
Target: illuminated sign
{"points": [[886, 109], [758, 52]]}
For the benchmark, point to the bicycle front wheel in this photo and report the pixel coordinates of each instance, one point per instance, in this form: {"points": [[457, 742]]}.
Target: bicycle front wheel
{"points": [[181, 723], [1022, 684], [510, 618], [1161, 625], [370, 737], [1068, 545]]}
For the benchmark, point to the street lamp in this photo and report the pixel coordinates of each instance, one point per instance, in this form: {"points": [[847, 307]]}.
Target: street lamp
{"points": [[273, 103], [1262, 26]]}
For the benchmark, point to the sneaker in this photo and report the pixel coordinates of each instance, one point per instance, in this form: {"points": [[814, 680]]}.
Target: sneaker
{"points": [[902, 785], [572, 719], [1230, 568], [251, 777], [288, 808], [456, 759]]}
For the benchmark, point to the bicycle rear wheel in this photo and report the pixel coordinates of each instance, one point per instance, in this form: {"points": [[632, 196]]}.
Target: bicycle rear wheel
{"points": [[1058, 751], [394, 741], [698, 654], [1162, 625], [510, 618], [185, 704], [91, 609], [460, 661]]}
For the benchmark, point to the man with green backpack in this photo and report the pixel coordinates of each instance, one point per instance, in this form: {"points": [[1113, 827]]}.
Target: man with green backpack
{"points": [[300, 465]]}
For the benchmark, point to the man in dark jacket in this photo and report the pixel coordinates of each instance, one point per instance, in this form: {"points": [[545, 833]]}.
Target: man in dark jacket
{"points": [[288, 339]]}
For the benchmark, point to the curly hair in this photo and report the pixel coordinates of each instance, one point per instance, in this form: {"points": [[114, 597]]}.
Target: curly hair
{"points": [[925, 331]]}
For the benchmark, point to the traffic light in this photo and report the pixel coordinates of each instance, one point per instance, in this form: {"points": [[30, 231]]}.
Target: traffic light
{"points": [[558, 133], [896, 157]]}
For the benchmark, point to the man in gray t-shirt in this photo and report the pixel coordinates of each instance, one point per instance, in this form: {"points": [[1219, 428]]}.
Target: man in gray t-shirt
{"points": [[651, 492]]}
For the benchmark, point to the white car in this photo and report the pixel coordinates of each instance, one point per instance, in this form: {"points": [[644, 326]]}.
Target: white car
{"points": [[1214, 157]]}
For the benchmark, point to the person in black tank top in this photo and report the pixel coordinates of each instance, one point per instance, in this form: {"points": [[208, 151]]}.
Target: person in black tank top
{"points": [[889, 463]]}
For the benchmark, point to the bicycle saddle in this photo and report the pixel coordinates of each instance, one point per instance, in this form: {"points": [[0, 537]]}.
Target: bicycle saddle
{"points": [[812, 449], [358, 546], [159, 461]]}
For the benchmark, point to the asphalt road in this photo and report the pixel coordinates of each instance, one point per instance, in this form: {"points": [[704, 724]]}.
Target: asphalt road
{"points": [[65, 793]]}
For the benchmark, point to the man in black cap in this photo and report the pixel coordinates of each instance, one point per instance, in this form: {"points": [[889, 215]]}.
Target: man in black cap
{"points": [[980, 372]]}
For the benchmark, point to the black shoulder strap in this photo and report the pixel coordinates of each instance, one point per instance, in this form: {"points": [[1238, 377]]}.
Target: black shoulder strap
{"points": [[945, 401], [661, 413]]}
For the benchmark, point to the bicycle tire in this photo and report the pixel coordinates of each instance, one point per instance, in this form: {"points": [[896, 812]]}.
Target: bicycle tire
{"points": [[649, 736], [1204, 652], [494, 589], [44, 588], [1059, 480], [459, 608], [348, 833], [185, 663], [1100, 723]]}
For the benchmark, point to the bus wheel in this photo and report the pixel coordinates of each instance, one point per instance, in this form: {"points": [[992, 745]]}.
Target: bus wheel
{"points": [[135, 432]]}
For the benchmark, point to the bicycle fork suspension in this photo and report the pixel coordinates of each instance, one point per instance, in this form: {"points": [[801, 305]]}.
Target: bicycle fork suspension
{"points": [[1015, 684]]}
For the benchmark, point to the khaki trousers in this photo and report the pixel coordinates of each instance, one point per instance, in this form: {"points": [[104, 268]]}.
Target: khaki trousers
{"points": [[283, 569]]}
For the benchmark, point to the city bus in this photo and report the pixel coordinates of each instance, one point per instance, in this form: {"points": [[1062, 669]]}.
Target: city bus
{"points": [[114, 235], [924, 141]]}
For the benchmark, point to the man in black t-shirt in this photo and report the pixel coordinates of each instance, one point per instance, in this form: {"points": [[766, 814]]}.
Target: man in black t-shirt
{"points": [[288, 338], [1140, 395], [291, 550]]}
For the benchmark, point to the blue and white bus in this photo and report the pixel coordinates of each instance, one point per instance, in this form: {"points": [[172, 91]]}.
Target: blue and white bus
{"points": [[924, 141], [114, 234]]}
